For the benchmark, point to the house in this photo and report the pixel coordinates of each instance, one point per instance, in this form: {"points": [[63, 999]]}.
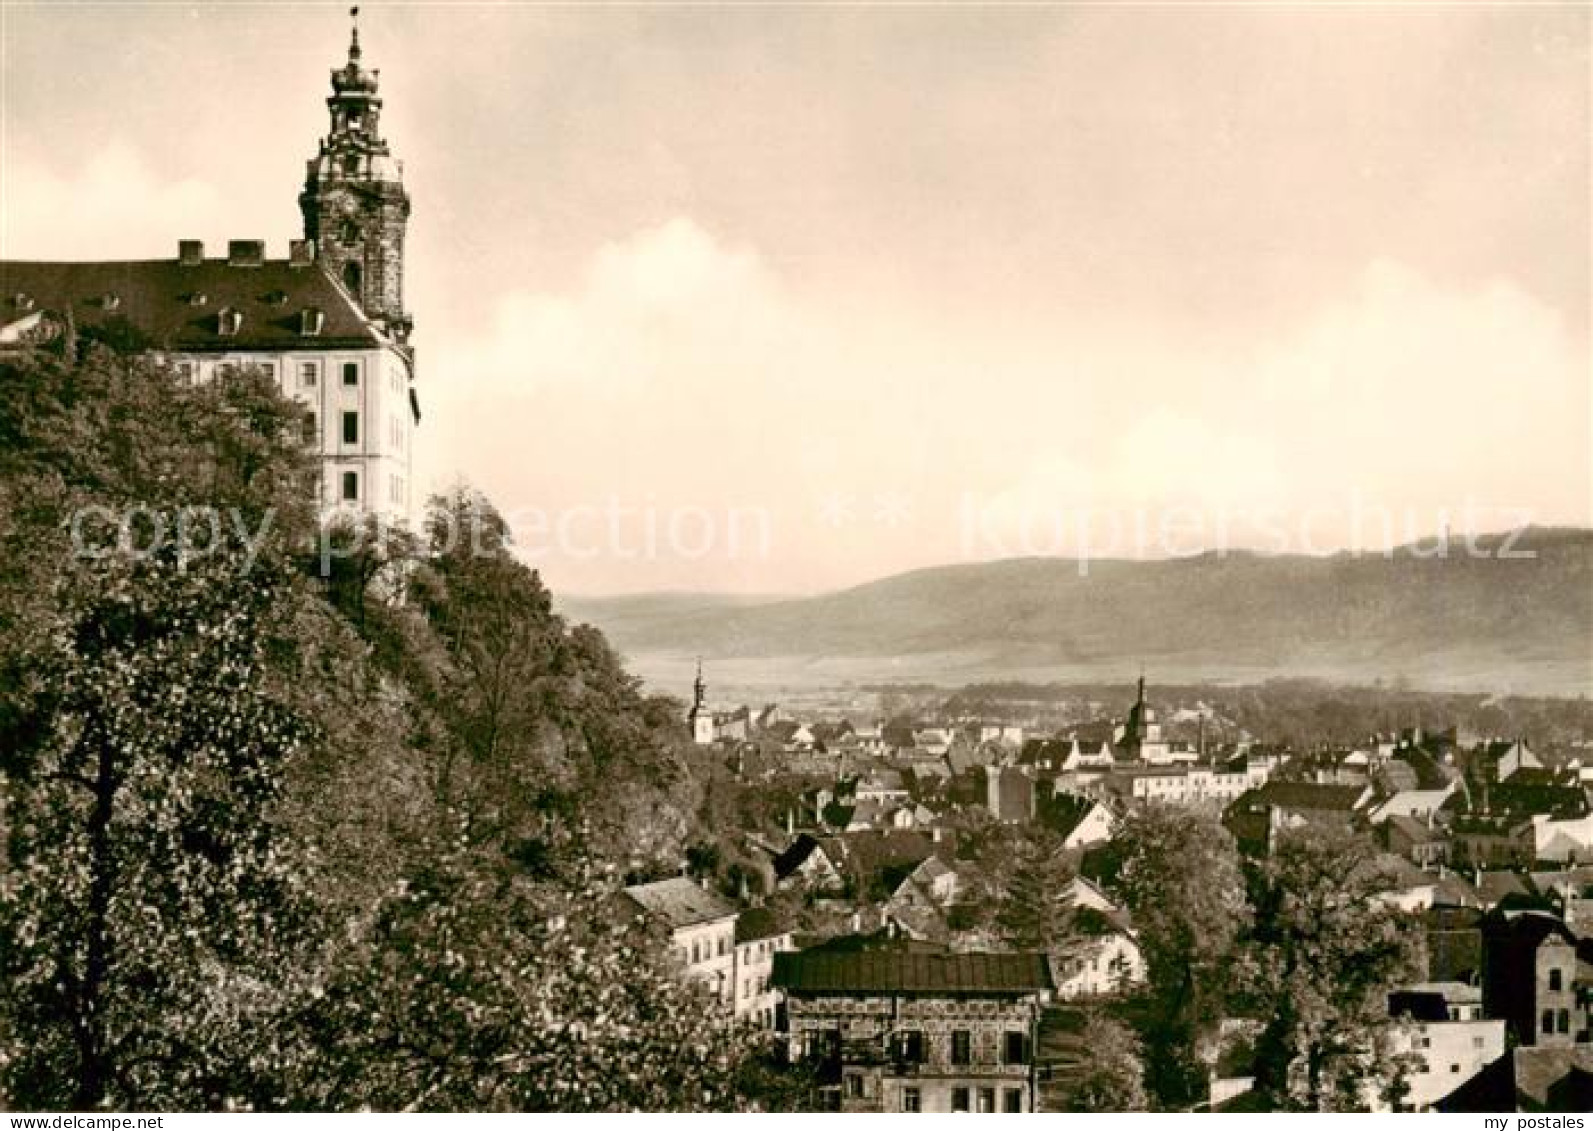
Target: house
{"points": [[894, 1029], [1261, 815], [701, 925], [1108, 957], [1529, 1079], [1501, 760], [1080, 821], [1535, 978], [759, 937], [1446, 1036], [1420, 841], [808, 864]]}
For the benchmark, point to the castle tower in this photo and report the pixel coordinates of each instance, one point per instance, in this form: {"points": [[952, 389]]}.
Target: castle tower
{"points": [[354, 204]]}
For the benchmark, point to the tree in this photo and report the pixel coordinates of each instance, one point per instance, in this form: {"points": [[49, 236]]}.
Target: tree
{"points": [[1179, 876], [1092, 1062], [1033, 913], [1325, 951], [151, 915], [479, 989]]}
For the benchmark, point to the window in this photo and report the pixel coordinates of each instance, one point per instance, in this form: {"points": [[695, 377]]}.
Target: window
{"points": [[185, 370], [309, 373], [1014, 1099], [959, 1099], [351, 486], [312, 429], [1015, 1050], [351, 427], [269, 368], [987, 1100], [350, 233], [1554, 981], [1454, 1068], [724, 945], [961, 1046], [910, 1046], [1476, 1042], [854, 1087], [911, 1100], [1548, 1020], [696, 951], [351, 373], [1564, 1017]]}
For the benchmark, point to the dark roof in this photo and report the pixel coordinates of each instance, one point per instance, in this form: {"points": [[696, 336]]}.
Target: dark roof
{"points": [[1529, 1079], [903, 972], [757, 923], [796, 855], [1309, 796], [680, 902], [153, 302], [1418, 1005]]}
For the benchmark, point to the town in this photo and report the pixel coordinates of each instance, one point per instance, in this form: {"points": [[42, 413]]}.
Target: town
{"points": [[861, 917]]}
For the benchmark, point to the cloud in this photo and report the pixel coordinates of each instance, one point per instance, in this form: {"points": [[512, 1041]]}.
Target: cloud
{"points": [[107, 208]]}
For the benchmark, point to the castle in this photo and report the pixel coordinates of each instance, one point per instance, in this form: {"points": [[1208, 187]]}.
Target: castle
{"points": [[327, 323]]}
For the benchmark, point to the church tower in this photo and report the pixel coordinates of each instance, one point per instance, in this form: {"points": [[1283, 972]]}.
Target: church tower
{"points": [[354, 204]]}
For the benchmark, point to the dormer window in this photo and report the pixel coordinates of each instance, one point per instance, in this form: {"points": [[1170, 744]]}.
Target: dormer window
{"points": [[228, 321], [277, 298], [311, 319], [197, 298], [110, 301], [22, 301]]}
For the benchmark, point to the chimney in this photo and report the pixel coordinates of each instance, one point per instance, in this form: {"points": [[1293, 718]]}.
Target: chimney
{"points": [[245, 253], [190, 253], [301, 253]]}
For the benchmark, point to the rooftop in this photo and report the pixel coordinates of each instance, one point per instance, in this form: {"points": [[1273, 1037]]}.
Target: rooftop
{"points": [[680, 902], [906, 972], [166, 304]]}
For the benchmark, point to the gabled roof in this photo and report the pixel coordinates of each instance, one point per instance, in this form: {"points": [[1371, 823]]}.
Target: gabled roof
{"points": [[680, 902], [905, 972], [153, 302]]}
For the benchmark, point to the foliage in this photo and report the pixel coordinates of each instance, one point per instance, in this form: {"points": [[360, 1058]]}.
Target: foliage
{"points": [[481, 990], [1104, 1071], [1033, 913], [223, 773], [1179, 877], [1324, 952], [146, 812]]}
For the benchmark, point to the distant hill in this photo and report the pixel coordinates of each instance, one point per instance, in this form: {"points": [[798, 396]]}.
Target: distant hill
{"points": [[1521, 624]]}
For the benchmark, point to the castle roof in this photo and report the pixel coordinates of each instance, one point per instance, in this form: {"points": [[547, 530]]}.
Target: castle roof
{"points": [[167, 304]]}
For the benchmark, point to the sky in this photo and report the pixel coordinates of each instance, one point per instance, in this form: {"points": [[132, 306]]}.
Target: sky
{"points": [[786, 298]]}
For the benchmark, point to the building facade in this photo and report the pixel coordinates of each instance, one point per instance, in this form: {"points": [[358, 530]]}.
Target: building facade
{"points": [[326, 323], [911, 1031]]}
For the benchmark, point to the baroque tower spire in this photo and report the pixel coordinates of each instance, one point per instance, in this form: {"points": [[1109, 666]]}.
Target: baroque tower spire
{"points": [[354, 203]]}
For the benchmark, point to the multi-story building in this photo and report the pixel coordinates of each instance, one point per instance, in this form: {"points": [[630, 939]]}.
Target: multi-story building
{"points": [[1534, 978], [903, 1030], [730, 949], [1446, 1037], [702, 929], [326, 323], [759, 937]]}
